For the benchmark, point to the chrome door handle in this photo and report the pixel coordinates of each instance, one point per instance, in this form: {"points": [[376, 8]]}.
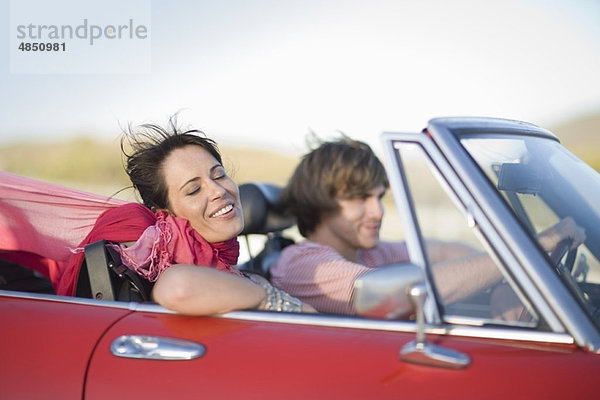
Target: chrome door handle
{"points": [[156, 348]]}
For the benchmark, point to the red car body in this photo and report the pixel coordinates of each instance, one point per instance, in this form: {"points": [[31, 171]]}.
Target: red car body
{"points": [[61, 350], [54, 347]]}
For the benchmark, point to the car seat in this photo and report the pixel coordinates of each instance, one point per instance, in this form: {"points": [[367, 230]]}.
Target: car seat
{"points": [[264, 214]]}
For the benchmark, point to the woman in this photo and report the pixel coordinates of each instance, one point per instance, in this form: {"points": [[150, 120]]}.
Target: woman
{"points": [[191, 215]]}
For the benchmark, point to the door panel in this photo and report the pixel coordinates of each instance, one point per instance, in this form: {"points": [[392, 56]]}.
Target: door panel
{"points": [[248, 359], [45, 346]]}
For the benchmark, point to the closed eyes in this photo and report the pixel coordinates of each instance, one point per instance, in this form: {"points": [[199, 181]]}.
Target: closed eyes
{"points": [[217, 172], [193, 191]]}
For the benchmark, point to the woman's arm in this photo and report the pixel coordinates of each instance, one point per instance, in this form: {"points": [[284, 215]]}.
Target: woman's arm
{"points": [[194, 290]]}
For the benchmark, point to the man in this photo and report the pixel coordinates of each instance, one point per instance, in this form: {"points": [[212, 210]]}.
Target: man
{"points": [[336, 195]]}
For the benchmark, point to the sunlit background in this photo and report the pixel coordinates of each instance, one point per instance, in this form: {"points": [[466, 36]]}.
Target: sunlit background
{"points": [[264, 73]]}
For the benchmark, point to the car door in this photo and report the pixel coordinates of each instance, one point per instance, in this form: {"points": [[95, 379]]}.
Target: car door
{"points": [[272, 356], [46, 344], [253, 354]]}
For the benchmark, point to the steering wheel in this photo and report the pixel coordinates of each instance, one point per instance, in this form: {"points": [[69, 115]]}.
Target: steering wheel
{"points": [[558, 253], [565, 270]]}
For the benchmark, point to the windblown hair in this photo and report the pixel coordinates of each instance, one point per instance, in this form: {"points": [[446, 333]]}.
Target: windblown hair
{"points": [[149, 145], [340, 169]]}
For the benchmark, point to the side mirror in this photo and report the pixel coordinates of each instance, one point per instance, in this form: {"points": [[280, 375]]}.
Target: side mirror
{"points": [[384, 292], [396, 291]]}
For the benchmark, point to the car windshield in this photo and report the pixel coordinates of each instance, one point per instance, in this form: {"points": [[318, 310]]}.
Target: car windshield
{"points": [[543, 183]]}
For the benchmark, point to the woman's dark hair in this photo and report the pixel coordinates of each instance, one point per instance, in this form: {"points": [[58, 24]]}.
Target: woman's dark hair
{"points": [[148, 147], [340, 169]]}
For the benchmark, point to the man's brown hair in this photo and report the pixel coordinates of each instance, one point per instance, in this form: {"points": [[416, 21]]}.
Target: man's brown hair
{"points": [[339, 169]]}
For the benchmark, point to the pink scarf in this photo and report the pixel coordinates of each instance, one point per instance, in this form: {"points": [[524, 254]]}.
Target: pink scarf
{"points": [[41, 222], [161, 241], [172, 240]]}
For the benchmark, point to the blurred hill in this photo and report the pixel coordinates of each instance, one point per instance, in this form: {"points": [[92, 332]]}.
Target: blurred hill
{"points": [[581, 135], [96, 166]]}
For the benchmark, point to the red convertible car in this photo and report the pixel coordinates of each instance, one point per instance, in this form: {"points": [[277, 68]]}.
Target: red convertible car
{"points": [[491, 184]]}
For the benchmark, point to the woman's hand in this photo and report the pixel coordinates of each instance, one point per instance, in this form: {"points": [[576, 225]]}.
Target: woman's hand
{"points": [[278, 300], [307, 308]]}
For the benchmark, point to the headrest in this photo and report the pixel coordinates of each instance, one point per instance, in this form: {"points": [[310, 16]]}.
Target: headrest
{"points": [[263, 212]]}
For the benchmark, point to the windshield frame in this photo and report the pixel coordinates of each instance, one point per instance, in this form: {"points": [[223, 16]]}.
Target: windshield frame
{"points": [[532, 262]]}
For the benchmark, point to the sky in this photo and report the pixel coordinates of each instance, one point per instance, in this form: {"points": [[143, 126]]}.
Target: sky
{"points": [[265, 73]]}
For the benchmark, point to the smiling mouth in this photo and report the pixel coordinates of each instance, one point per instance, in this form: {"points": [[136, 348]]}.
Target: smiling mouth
{"points": [[222, 211], [372, 228]]}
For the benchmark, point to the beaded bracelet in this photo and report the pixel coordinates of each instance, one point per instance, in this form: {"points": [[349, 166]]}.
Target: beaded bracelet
{"points": [[276, 299]]}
